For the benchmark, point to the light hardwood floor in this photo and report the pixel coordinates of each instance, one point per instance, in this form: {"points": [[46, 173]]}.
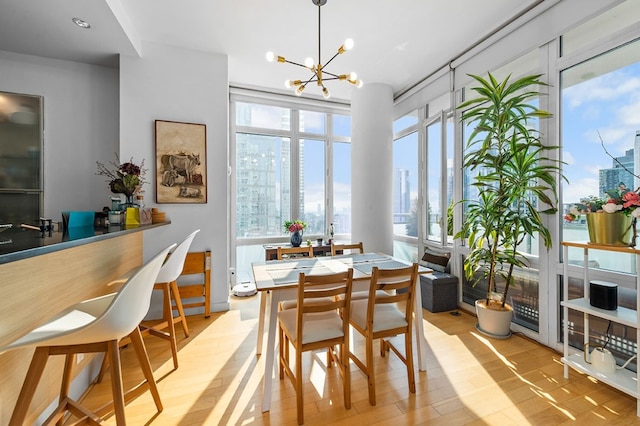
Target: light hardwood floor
{"points": [[470, 379]]}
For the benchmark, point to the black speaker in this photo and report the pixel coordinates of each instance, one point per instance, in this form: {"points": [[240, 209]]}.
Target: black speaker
{"points": [[603, 295]]}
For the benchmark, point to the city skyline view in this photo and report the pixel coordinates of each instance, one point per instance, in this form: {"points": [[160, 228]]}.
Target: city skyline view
{"points": [[606, 104]]}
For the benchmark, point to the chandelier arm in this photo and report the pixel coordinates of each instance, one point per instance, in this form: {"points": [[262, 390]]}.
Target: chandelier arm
{"points": [[332, 58], [331, 74], [295, 63], [311, 80]]}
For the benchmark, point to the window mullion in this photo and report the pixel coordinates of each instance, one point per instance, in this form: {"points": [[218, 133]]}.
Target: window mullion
{"points": [[295, 164]]}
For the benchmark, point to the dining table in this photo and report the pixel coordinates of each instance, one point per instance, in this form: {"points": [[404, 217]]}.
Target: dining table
{"points": [[277, 280]]}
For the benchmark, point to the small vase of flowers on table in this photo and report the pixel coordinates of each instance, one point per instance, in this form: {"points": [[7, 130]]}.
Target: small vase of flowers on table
{"points": [[125, 178], [296, 228]]}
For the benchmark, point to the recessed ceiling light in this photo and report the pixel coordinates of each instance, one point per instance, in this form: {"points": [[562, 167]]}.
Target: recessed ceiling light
{"points": [[82, 24]]}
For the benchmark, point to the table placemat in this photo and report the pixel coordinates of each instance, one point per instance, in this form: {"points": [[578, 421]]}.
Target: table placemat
{"points": [[283, 276], [367, 267], [291, 264], [352, 259]]}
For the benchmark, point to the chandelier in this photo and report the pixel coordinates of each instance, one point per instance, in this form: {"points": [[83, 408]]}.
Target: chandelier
{"points": [[318, 72]]}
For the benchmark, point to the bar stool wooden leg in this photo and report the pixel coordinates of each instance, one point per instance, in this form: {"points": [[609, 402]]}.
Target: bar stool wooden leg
{"points": [[145, 364], [143, 359], [69, 360], [113, 351], [168, 317], [181, 317], [38, 362]]}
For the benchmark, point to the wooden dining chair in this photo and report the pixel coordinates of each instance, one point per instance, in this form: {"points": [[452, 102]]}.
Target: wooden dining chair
{"points": [[315, 324], [335, 248], [288, 251], [380, 317]]}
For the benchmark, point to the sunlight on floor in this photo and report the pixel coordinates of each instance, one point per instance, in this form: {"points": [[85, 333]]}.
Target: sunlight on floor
{"points": [[470, 379], [473, 382], [318, 374]]}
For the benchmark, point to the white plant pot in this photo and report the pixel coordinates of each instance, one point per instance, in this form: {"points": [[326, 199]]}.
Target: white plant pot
{"points": [[493, 323]]}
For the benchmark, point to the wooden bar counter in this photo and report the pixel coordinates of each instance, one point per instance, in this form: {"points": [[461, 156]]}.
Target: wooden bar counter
{"points": [[40, 275]]}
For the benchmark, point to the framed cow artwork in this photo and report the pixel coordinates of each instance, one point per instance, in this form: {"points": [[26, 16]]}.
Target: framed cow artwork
{"points": [[181, 162]]}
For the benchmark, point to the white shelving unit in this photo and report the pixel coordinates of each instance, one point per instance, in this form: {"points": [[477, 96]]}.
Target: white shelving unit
{"points": [[623, 380]]}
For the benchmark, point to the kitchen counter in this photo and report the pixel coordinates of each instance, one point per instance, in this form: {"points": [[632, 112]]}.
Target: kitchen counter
{"points": [[42, 275], [21, 243]]}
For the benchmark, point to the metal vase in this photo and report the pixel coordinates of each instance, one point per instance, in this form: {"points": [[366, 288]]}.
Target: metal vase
{"points": [[611, 229]]}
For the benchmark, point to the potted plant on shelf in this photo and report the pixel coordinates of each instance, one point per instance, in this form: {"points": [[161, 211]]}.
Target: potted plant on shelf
{"points": [[514, 176], [611, 220]]}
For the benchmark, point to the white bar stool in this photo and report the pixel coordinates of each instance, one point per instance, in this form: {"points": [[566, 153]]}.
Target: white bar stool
{"points": [[167, 282], [95, 325]]}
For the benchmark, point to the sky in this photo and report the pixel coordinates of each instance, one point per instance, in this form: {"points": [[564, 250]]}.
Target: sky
{"points": [[608, 104]]}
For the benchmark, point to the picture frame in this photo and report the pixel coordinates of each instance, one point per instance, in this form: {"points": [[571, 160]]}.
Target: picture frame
{"points": [[181, 162]]}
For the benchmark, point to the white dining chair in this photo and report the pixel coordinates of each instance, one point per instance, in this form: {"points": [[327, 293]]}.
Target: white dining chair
{"points": [[95, 325]]}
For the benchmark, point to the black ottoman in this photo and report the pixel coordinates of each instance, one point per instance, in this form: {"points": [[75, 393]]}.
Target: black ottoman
{"points": [[439, 291]]}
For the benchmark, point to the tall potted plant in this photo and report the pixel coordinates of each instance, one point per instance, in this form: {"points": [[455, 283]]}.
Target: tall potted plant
{"points": [[514, 175]]}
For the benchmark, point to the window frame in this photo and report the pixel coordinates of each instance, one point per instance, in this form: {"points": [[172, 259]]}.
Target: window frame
{"points": [[295, 136]]}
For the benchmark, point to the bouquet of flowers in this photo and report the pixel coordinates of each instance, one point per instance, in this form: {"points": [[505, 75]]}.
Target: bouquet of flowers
{"points": [[615, 200], [293, 226], [126, 178]]}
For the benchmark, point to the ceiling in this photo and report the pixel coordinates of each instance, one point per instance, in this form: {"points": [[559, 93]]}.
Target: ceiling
{"points": [[397, 43]]}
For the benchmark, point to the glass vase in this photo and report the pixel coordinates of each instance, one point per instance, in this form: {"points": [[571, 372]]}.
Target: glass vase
{"points": [[129, 202], [296, 239]]}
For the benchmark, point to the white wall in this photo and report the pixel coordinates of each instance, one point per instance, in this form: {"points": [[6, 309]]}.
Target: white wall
{"points": [[169, 83], [92, 112], [80, 126]]}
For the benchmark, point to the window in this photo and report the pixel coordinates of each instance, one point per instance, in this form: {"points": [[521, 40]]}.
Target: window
{"points": [[600, 134], [439, 180], [312, 191], [263, 195], [434, 172], [284, 170], [342, 188], [405, 177]]}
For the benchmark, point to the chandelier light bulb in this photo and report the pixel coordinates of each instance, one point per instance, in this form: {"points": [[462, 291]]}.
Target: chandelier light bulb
{"points": [[348, 44], [325, 93], [359, 84], [309, 63], [353, 76], [292, 83], [271, 57], [299, 90]]}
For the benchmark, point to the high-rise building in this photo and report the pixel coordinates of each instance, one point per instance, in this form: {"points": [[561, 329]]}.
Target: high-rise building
{"points": [[401, 196], [263, 192], [621, 172], [636, 159]]}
